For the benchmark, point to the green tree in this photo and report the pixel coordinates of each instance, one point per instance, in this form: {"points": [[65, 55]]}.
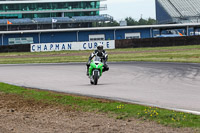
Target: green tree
{"points": [[130, 21], [151, 21], [142, 21]]}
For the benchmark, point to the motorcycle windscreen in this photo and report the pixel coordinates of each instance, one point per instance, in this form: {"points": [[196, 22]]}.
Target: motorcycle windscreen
{"points": [[97, 58]]}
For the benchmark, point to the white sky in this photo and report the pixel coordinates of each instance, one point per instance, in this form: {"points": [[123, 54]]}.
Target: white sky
{"points": [[120, 9]]}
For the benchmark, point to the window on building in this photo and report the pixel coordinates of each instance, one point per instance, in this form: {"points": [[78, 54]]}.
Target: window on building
{"points": [[22, 40], [97, 37], [132, 35]]}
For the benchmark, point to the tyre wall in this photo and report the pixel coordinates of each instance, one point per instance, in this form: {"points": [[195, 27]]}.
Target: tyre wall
{"points": [[15, 48], [158, 42]]}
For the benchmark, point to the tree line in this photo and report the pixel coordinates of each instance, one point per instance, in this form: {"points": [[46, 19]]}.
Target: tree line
{"points": [[130, 22]]}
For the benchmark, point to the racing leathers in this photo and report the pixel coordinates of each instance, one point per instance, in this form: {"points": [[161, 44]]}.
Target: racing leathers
{"points": [[104, 57]]}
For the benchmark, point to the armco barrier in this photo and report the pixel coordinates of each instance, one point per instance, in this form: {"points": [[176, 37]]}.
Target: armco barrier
{"points": [[158, 42], [15, 48]]}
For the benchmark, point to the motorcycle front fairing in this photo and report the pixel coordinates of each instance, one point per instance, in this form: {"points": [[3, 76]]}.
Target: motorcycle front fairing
{"points": [[96, 64]]}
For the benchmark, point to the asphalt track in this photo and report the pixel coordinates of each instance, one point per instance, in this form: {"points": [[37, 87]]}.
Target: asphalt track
{"points": [[167, 85]]}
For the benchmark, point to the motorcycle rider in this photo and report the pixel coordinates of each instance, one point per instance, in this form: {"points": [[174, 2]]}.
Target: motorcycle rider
{"points": [[102, 54]]}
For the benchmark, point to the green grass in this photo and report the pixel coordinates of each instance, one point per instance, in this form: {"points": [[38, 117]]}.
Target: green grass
{"points": [[116, 109], [158, 54]]}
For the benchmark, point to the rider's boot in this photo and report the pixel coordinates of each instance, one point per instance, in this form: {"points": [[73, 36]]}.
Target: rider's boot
{"points": [[88, 65], [87, 73], [106, 68]]}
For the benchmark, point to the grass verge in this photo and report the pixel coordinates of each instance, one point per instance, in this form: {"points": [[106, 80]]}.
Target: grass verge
{"points": [[159, 54], [118, 109]]}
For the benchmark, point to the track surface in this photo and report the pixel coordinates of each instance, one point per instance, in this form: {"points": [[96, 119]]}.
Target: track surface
{"points": [[167, 85]]}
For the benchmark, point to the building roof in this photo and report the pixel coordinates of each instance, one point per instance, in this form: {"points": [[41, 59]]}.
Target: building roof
{"points": [[181, 8]]}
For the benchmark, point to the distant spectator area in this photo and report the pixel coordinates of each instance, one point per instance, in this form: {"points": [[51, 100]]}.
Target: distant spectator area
{"points": [[50, 14], [49, 23], [177, 11]]}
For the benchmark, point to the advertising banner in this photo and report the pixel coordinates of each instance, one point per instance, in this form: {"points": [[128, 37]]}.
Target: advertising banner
{"points": [[110, 44]]}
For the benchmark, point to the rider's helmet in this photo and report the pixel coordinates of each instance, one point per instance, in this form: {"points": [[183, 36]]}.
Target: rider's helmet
{"points": [[100, 47]]}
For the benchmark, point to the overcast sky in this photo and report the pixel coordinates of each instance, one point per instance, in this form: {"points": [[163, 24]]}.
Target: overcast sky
{"points": [[121, 9]]}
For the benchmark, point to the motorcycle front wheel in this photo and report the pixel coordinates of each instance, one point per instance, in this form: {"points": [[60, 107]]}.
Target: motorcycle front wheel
{"points": [[95, 77]]}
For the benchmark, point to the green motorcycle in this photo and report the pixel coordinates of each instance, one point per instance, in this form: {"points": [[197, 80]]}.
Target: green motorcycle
{"points": [[95, 70]]}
